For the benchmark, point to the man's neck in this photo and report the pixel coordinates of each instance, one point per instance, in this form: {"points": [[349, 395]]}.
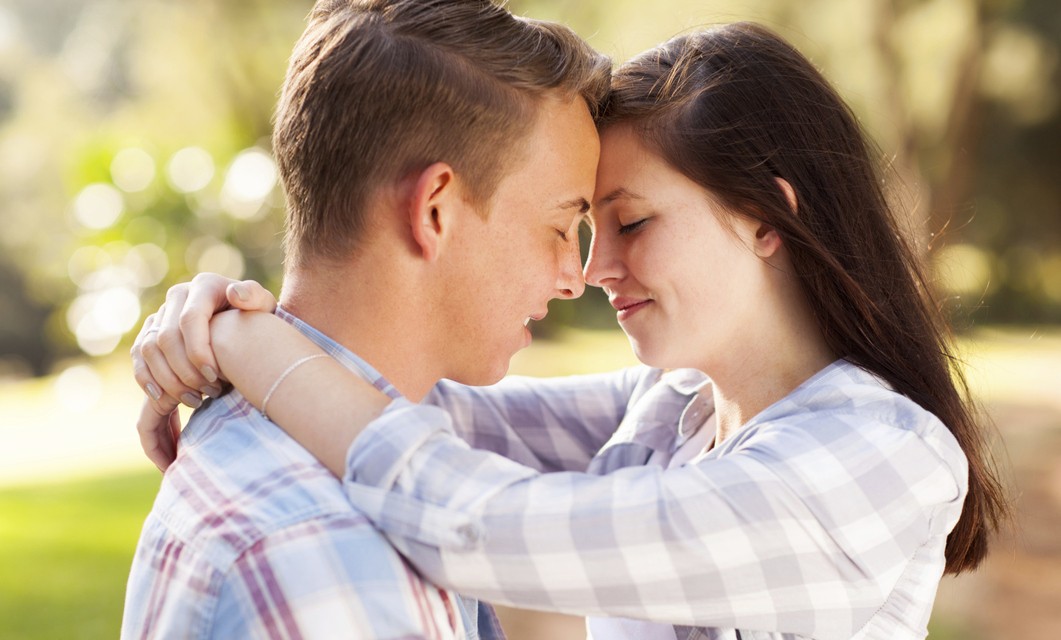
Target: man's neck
{"points": [[359, 308]]}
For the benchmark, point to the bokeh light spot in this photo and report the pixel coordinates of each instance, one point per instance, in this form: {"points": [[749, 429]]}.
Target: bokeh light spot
{"points": [[963, 269], [84, 262], [208, 254], [78, 388], [149, 263], [250, 179], [191, 169], [98, 206], [133, 170], [98, 319]]}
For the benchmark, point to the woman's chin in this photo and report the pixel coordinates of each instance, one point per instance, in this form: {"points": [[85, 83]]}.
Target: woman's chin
{"points": [[646, 354], [661, 358]]}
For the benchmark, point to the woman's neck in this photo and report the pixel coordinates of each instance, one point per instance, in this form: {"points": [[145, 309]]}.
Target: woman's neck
{"points": [[780, 350], [744, 393]]}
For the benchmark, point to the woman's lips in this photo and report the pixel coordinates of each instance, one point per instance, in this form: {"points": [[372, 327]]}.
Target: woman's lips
{"points": [[626, 307]]}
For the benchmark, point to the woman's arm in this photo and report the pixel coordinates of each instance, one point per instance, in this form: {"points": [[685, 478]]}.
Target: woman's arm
{"points": [[783, 534], [768, 537], [326, 429]]}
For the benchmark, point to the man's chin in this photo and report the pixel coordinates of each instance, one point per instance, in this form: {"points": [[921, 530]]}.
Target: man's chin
{"points": [[485, 376]]}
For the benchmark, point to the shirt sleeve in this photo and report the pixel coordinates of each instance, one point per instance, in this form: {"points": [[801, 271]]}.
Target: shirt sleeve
{"points": [[323, 578], [799, 530], [547, 424]]}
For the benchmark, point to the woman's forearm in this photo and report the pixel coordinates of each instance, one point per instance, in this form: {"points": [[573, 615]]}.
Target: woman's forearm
{"points": [[319, 403]]}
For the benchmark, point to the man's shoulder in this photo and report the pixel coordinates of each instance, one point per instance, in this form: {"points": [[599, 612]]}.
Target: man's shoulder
{"points": [[238, 479]]}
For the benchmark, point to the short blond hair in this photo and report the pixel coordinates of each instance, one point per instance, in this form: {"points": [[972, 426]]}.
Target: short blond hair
{"points": [[378, 89]]}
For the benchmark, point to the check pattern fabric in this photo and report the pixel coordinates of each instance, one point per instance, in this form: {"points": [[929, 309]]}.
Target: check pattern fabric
{"points": [[250, 537], [825, 516]]}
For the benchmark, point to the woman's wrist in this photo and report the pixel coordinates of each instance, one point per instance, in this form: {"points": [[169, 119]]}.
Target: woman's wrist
{"points": [[316, 400]]}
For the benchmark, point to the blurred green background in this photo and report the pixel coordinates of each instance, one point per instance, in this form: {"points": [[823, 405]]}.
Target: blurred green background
{"points": [[134, 152]]}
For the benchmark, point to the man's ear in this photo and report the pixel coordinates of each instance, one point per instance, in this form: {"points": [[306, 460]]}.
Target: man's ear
{"points": [[434, 195]]}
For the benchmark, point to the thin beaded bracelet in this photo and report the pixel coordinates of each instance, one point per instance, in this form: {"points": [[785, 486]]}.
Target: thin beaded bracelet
{"points": [[294, 365]]}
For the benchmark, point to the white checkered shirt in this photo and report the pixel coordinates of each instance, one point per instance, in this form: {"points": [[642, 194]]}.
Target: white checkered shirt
{"points": [[824, 517]]}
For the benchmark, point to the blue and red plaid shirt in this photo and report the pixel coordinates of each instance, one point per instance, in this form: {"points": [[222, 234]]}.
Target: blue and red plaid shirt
{"points": [[250, 537]]}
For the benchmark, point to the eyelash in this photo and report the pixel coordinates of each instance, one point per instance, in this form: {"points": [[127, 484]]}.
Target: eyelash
{"points": [[633, 226], [563, 235]]}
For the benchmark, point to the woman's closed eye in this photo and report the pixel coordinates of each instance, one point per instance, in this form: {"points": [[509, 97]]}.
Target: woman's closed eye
{"points": [[631, 227]]}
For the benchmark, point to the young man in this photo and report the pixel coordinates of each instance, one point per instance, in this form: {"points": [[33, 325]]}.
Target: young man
{"points": [[437, 155]]}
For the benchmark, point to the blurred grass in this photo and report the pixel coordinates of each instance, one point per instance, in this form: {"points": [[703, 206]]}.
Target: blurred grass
{"points": [[66, 545], [65, 550]]}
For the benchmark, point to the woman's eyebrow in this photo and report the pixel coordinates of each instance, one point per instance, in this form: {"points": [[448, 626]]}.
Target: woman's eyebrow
{"points": [[620, 193]]}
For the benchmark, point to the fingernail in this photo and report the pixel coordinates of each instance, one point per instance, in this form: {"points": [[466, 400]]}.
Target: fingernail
{"points": [[192, 400], [212, 392], [240, 291], [153, 391], [209, 373]]}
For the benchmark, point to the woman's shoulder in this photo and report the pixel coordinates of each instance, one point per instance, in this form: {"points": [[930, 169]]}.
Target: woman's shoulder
{"points": [[846, 408], [848, 391]]}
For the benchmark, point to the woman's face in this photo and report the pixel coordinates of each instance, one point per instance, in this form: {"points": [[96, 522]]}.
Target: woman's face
{"points": [[677, 267]]}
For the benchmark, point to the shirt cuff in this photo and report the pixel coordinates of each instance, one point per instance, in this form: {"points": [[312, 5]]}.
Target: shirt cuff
{"points": [[376, 459], [379, 453]]}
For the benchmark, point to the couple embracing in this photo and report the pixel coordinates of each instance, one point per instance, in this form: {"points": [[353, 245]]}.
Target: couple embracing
{"points": [[797, 458]]}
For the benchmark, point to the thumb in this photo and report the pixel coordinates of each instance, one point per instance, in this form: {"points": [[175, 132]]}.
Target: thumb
{"points": [[248, 295]]}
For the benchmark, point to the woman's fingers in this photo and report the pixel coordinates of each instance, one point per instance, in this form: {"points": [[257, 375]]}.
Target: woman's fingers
{"points": [[248, 295], [162, 371], [158, 434], [206, 296], [175, 362], [141, 372], [172, 355]]}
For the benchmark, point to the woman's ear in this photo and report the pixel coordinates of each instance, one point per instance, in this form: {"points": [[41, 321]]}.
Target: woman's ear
{"points": [[433, 197], [767, 240], [790, 194]]}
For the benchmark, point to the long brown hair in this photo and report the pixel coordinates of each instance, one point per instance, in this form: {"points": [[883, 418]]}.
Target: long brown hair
{"points": [[735, 107]]}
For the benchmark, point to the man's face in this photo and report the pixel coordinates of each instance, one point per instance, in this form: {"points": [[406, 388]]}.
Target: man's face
{"points": [[524, 252]]}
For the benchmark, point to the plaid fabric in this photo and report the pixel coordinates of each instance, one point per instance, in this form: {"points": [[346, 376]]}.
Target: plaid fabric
{"points": [[825, 516], [250, 537]]}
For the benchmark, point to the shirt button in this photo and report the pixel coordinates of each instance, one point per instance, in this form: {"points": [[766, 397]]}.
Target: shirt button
{"points": [[469, 535]]}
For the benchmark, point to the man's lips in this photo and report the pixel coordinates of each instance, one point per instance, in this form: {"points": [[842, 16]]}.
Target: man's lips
{"points": [[536, 318]]}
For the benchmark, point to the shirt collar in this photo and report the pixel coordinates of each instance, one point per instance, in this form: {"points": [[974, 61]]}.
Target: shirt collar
{"points": [[343, 355], [664, 414]]}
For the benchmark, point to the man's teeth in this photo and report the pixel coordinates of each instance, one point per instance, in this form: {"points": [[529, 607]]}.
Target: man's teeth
{"points": [[526, 322]]}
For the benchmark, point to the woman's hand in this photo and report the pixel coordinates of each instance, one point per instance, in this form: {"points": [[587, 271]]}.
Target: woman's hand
{"points": [[317, 401], [173, 361]]}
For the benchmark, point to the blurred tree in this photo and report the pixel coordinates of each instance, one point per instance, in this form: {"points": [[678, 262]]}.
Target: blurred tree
{"points": [[134, 143], [135, 153]]}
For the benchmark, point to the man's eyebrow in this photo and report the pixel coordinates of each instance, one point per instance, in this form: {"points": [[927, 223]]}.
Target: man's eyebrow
{"points": [[580, 203], [616, 195]]}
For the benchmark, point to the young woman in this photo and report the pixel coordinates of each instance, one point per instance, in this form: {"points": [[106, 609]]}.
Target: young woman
{"points": [[827, 468]]}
